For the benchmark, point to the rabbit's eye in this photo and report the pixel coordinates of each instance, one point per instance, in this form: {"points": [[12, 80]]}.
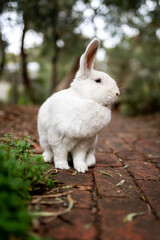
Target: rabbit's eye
{"points": [[98, 80]]}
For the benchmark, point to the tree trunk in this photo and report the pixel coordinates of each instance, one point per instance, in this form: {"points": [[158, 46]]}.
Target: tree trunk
{"points": [[55, 37], [3, 54], [25, 77], [54, 77], [15, 96], [65, 83]]}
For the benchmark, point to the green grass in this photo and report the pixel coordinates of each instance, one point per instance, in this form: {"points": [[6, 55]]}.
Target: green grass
{"points": [[21, 173]]}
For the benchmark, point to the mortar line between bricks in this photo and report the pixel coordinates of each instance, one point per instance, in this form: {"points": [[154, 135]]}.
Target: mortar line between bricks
{"points": [[118, 197], [134, 142], [97, 225], [137, 185], [135, 180], [143, 155], [146, 158], [130, 146], [153, 211], [146, 180]]}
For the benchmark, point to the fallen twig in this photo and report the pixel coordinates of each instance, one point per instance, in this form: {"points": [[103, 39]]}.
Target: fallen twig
{"points": [[50, 214], [54, 195]]}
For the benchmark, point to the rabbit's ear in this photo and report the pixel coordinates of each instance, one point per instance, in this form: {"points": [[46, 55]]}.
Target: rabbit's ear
{"points": [[87, 59]]}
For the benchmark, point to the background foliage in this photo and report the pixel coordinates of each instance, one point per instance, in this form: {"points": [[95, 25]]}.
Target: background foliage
{"points": [[132, 59]]}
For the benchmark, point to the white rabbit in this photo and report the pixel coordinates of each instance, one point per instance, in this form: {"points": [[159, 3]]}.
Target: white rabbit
{"points": [[70, 120]]}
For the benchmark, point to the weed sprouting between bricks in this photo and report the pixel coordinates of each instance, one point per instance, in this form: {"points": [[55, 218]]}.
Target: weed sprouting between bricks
{"points": [[21, 173]]}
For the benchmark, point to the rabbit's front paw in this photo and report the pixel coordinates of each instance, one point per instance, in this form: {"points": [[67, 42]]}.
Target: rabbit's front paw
{"points": [[90, 160], [62, 165], [47, 156], [81, 167]]}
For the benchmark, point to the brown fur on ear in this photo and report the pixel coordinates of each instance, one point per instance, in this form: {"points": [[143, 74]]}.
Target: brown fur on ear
{"points": [[91, 52]]}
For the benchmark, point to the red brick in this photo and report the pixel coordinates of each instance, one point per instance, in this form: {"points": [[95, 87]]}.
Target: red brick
{"points": [[107, 159], [67, 178], [130, 155], [106, 185], [156, 162], [143, 170], [127, 136], [51, 208], [112, 211], [117, 124], [83, 199], [153, 142], [77, 224], [102, 145], [148, 148], [116, 144], [151, 190]]}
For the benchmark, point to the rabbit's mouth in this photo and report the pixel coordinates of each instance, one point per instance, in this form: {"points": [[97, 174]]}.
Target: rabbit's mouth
{"points": [[111, 102], [114, 100]]}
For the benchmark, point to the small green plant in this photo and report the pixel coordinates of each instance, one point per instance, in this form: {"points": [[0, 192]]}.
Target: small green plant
{"points": [[21, 173], [29, 167]]}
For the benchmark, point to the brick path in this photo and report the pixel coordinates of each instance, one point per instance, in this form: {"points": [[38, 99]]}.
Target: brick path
{"points": [[128, 149]]}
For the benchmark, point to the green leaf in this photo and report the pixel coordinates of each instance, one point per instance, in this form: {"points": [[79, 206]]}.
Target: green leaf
{"points": [[126, 165], [130, 216], [108, 174], [87, 226], [119, 174]]}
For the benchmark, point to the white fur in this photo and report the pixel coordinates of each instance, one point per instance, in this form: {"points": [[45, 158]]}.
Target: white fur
{"points": [[70, 120]]}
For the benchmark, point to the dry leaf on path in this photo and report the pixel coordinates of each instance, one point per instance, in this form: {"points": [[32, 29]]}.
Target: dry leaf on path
{"points": [[84, 188], [120, 159], [74, 172], [50, 214], [130, 216], [120, 183]]}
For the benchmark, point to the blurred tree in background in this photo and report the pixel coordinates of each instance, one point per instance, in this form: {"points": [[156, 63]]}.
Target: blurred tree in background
{"points": [[135, 63], [132, 59], [3, 43]]}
